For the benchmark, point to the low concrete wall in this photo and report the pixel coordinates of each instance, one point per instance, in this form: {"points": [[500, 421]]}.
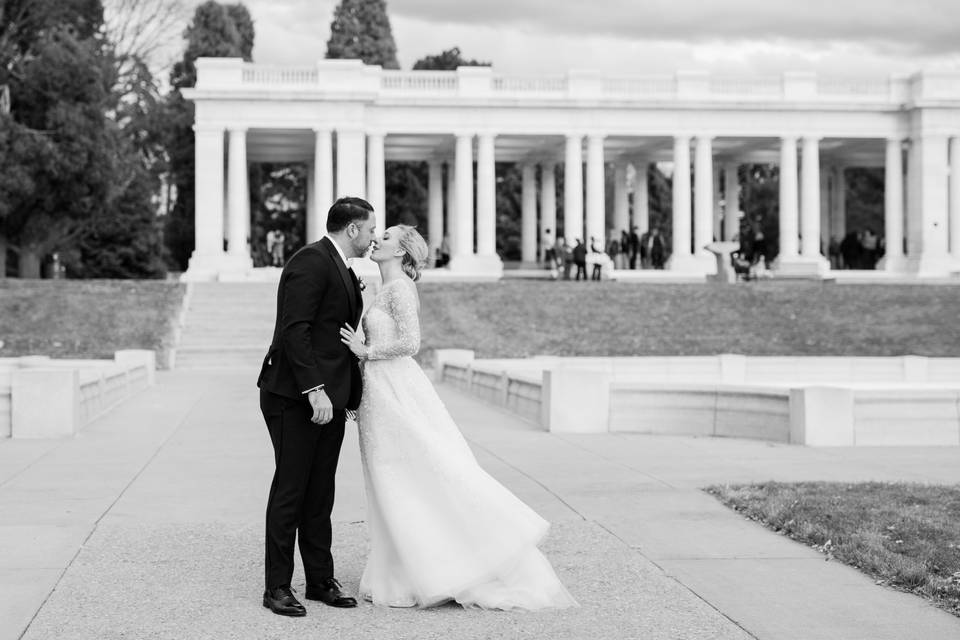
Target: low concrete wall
{"points": [[816, 401], [42, 397]]}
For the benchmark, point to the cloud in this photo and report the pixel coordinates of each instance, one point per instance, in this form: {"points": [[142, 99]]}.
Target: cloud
{"points": [[891, 25]]}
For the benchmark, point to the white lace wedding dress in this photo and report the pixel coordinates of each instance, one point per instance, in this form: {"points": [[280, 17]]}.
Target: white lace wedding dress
{"points": [[441, 528]]}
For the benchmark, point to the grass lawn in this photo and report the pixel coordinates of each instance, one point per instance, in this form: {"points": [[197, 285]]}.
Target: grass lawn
{"points": [[88, 318], [516, 318], [904, 535]]}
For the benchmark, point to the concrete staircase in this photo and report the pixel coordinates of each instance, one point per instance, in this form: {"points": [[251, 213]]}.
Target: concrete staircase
{"points": [[227, 325]]}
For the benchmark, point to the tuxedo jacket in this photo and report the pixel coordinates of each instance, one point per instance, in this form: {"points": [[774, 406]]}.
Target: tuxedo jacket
{"points": [[317, 295]]}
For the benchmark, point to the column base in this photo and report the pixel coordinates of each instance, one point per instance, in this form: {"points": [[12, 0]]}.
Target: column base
{"points": [[485, 267], [701, 264], [813, 268], [217, 267], [932, 266], [203, 267], [893, 264]]}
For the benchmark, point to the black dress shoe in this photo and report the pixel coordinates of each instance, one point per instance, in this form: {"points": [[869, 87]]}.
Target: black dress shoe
{"points": [[330, 592], [282, 602]]}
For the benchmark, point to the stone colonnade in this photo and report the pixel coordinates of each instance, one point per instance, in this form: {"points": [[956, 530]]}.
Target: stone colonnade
{"points": [[811, 198]]}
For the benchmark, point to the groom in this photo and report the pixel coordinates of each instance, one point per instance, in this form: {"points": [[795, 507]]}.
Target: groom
{"points": [[308, 379]]}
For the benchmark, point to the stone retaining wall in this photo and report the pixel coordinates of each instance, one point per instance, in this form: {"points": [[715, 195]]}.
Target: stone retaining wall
{"points": [[42, 397]]}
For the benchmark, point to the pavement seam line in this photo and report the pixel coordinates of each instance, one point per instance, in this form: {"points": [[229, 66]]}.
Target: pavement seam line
{"points": [[528, 476], [623, 465], [674, 578], [96, 523], [38, 459]]}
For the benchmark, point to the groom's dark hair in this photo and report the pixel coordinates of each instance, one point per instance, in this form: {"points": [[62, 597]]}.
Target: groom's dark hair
{"points": [[345, 211]]}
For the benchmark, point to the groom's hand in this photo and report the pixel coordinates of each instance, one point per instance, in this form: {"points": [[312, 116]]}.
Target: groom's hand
{"points": [[322, 407]]}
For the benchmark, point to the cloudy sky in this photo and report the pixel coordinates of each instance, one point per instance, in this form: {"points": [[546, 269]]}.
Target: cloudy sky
{"points": [[635, 36]]}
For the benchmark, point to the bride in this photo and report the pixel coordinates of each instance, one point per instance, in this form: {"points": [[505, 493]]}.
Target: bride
{"points": [[441, 528]]}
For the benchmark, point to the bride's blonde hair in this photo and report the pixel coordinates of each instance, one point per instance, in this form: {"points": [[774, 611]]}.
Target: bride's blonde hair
{"points": [[415, 251]]}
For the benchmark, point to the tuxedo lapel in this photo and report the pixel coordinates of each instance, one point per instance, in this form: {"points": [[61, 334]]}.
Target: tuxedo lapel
{"points": [[359, 295], [345, 276]]}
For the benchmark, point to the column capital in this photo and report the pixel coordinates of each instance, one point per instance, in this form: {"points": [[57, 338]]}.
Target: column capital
{"points": [[237, 128], [681, 138], [464, 133], [705, 136], [325, 128], [206, 129], [375, 133], [809, 139], [579, 135], [593, 135], [488, 134], [789, 138]]}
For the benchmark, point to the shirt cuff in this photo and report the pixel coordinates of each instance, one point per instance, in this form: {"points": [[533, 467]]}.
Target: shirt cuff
{"points": [[316, 388]]}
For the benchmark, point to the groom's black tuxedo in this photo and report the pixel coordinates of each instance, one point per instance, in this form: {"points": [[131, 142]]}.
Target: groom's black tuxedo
{"points": [[317, 295]]}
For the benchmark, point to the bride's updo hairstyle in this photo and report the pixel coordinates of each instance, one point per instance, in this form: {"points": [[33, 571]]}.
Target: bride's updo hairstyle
{"points": [[415, 251]]}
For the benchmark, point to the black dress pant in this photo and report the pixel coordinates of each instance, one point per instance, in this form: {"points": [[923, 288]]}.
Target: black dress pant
{"points": [[301, 496]]}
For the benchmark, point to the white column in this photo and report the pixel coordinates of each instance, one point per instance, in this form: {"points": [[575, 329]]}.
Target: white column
{"points": [[435, 204], [596, 191], [322, 184], [810, 214], [893, 206], [681, 201], [450, 230], [486, 196], [621, 199], [641, 198], [717, 202], [703, 195], [954, 206], [376, 176], [927, 233], [548, 200], [731, 200], [573, 189], [351, 164], [238, 199], [788, 198], [462, 242], [311, 197], [208, 203], [528, 213]]}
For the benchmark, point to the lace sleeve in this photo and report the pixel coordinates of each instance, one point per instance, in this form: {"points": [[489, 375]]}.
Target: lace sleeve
{"points": [[401, 304]]}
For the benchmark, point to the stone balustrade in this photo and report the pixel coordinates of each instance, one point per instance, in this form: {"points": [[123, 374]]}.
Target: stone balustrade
{"points": [[42, 397], [344, 76], [819, 401]]}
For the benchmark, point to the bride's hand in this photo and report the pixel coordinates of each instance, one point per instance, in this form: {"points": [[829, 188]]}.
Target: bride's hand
{"points": [[350, 338]]}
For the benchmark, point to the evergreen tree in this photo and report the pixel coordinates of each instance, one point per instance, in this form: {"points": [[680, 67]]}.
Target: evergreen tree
{"points": [[217, 31], [67, 164], [361, 30], [448, 60]]}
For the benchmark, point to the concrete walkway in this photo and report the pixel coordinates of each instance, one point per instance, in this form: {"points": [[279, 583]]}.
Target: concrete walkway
{"points": [[149, 525]]}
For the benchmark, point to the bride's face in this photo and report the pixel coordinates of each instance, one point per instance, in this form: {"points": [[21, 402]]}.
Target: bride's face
{"points": [[388, 247]]}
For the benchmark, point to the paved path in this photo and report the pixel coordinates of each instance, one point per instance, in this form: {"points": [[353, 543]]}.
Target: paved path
{"points": [[149, 525]]}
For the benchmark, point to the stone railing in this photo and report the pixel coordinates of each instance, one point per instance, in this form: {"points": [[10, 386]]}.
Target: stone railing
{"points": [[905, 400], [351, 77], [42, 397]]}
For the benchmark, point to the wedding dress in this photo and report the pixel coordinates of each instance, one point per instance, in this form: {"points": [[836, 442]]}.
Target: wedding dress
{"points": [[440, 527]]}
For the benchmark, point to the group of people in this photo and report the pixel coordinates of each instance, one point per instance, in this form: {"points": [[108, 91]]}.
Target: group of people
{"points": [[859, 249], [441, 529], [629, 250]]}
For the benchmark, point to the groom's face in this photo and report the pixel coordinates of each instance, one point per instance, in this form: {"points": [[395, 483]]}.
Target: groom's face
{"points": [[364, 236]]}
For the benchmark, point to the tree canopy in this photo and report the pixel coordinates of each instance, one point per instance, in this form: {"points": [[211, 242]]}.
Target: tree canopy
{"points": [[447, 60], [361, 30]]}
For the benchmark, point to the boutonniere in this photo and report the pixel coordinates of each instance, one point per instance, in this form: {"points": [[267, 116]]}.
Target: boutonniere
{"points": [[361, 283]]}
